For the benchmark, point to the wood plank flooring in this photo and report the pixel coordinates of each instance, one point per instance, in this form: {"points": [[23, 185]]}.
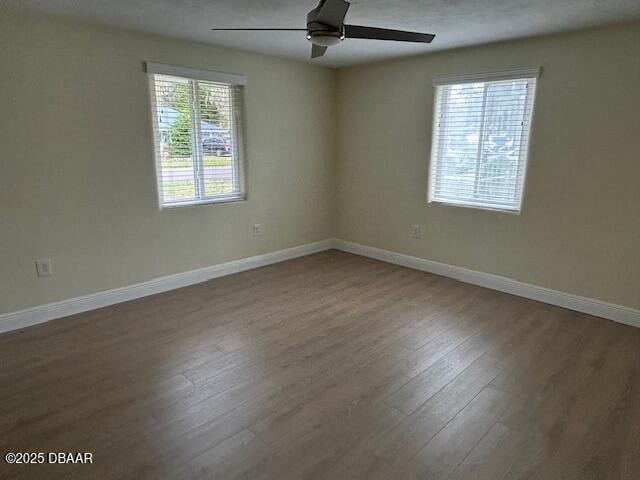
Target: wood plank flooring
{"points": [[331, 366]]}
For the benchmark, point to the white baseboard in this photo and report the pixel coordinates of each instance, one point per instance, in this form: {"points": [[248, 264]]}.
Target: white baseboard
{"points": [[44, 313], [598, 308]]}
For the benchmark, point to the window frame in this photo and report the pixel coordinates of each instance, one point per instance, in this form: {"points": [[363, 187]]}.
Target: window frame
{"points": [[193, 76], [523, 155]]}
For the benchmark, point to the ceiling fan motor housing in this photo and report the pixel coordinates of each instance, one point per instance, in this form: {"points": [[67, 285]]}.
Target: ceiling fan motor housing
{"points": [[321, 34]]}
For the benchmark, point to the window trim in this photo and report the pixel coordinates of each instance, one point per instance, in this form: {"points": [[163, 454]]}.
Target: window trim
{"points": [[195, 203], [523, 73], [195, 73], [488, 76], [239, 167]]}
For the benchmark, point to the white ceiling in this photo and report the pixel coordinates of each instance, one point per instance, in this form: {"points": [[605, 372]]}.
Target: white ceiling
{"points": [[455, 22]]}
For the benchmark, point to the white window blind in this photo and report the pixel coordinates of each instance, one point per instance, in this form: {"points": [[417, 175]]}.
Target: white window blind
{"points": [[197, 126], [481, 139]]}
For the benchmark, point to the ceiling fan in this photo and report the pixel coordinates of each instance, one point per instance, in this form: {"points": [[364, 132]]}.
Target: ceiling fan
{"points": [[326, 27]]}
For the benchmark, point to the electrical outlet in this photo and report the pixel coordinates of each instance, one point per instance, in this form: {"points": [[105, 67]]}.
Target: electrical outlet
{"points": [[256, 229], [416, 232], [43, 267]]}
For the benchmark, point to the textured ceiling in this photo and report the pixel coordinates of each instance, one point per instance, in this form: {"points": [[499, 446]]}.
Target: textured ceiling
{"points": [[455, 22]]}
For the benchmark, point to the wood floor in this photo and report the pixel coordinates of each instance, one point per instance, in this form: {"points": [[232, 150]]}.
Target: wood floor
{"points": [[331, 366]]}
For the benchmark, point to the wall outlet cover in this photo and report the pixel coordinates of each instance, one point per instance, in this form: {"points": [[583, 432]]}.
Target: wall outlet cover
{"points": [[43, 267]]}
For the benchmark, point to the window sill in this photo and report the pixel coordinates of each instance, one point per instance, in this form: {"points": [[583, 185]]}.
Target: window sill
{"points": [[475, 207], [208, 201]]}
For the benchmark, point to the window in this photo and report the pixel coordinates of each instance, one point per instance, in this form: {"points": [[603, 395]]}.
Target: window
{"points": [[481, 138], [197, 126]]}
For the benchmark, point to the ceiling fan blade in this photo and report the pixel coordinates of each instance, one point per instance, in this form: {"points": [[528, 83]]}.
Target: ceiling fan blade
{"points": [[332, 12], [261, 29], [317, 50], [373, 33]]}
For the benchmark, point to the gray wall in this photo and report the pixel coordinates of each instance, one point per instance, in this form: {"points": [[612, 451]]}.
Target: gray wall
{"points": [[579, 230], [77, 178]]}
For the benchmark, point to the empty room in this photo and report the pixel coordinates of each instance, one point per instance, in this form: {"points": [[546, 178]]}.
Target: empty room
{"points": [[320, 239]]}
